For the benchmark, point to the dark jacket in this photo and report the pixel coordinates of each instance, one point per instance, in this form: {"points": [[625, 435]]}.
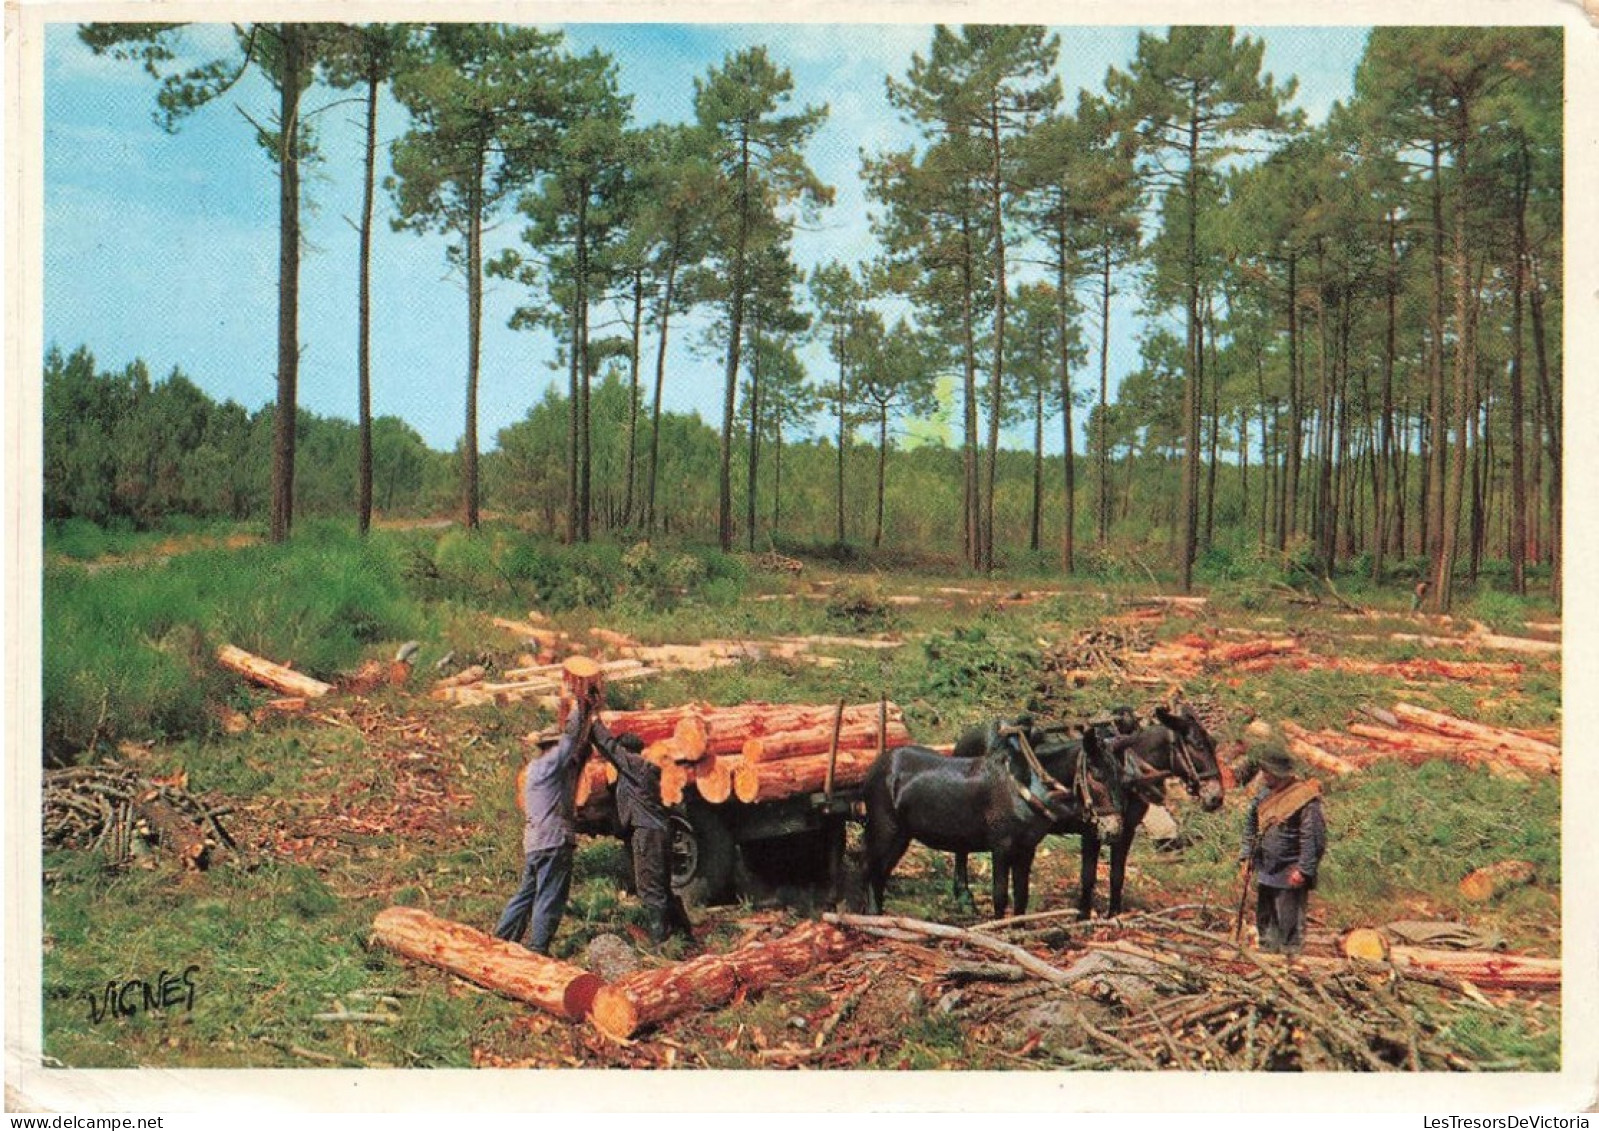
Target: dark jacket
{"points": [[638, 784], [1298, 841], [550, 791]]}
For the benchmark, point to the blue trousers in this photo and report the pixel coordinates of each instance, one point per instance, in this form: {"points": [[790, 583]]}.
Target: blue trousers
{"points": [[541, 900]]}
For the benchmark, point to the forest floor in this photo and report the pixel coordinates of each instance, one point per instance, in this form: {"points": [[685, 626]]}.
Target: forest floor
{"points": [[364, 802]]}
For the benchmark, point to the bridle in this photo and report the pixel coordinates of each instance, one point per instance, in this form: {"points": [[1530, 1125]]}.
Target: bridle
{"points": [[1187, 768]]}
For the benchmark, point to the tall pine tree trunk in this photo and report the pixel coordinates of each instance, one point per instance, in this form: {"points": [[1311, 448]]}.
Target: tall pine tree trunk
{"points": [[1555, 414], [1465, 388], [735, 331], [660, 381], [1192, 387], [633, 394], [972, 511], [363, 347], [285, 420], [755, 431], [996, 389], [474, 330], [882, 473], [1104, 400], [1518, 495], [1439, 430], [1033, 536]]}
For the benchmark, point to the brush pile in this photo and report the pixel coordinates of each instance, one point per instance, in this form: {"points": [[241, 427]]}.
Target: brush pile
{"points": [[116, 810], [1161, 991]]}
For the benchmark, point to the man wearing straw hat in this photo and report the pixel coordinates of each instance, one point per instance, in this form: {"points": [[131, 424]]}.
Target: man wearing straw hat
{"points": [[549, 794], [1285, 836]]}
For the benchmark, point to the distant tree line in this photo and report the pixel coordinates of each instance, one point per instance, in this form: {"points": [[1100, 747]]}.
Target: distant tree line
{"points": [[1350, 332]]}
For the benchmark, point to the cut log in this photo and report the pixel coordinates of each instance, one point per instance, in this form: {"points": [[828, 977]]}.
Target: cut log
{"points": [[796, 744], [504, 967], [1485, 883], [713, 778], [463, 678], [693, 736], [1251, 649], [728, 727], [649, 997], [595, 779], [1526, 753], [674, 780], [791, 777], [1299, 743], [1366, 944], [268, 674], [1482, 640], [1487, 970], [746, 781]]}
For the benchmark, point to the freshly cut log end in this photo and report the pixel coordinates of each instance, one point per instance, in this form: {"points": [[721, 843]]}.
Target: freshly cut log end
{"points": [[746, 781], [504, 967], [692, 736], [674, 780], [578, 1001], [714, 782], [1366, 944], [1485, 883]]}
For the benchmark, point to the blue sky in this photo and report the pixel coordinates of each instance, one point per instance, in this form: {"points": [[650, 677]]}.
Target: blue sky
{"points": [[164, 247]]}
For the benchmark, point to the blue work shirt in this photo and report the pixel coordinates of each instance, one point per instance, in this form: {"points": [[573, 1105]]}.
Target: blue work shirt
{"points": [[1297, 842], [550, 792]]}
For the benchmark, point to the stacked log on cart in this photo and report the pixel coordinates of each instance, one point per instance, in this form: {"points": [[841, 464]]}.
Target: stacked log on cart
{"points": [[752, 752]]}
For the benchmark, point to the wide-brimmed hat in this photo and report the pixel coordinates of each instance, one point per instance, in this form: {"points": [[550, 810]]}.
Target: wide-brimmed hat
{"points": [[1272, 756]]}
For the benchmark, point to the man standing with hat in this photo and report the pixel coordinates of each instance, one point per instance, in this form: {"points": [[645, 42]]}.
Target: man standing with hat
{"points": [[1285, 836], [549, 837]]}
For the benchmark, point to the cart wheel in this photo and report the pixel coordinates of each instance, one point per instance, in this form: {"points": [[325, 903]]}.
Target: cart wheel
{"points": [[703, 854]]}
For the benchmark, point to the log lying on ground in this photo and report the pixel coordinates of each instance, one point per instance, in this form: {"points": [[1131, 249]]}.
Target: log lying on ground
{"points": [[1487, 970], [463, 678], [1485, 883], [1482, 640], [1524, 752], [504, 967], [1299, 743], [1253, 649], [1416, 747], [818, 740], [268, 674], [649, 997]]}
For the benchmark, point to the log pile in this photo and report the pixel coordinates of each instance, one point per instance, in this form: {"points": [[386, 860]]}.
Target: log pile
{"points": [[1417, 734], [751, 752], [118, 811], [1168, 990]]}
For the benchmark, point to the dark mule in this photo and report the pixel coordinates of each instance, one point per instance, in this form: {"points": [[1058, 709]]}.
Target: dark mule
{"points": [[1056, 753], [1177, 745], [993, 803]]}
